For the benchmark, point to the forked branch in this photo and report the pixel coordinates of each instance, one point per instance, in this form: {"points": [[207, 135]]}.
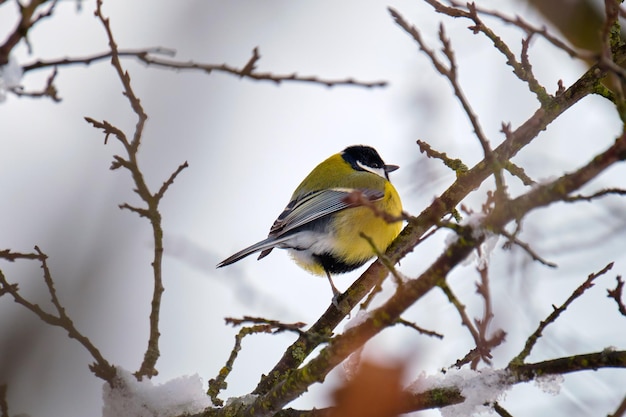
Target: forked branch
{"points": [[101, 367], [151, 200]]}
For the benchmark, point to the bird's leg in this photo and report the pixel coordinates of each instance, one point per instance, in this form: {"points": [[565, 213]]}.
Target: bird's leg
{"points": [[336, 292]]}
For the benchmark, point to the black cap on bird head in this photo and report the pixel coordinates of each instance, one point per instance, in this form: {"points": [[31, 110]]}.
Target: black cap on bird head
{"points": [[365, 158]]}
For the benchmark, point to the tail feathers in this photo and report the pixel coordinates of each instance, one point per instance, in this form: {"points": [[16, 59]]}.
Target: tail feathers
{"points": [[265, 246]]}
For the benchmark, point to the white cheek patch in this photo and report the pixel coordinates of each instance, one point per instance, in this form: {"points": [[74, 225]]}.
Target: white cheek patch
{"points": [[378, 171]]}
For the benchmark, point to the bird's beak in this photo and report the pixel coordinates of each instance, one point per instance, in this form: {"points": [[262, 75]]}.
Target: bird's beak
{"points": [[391, 168]]}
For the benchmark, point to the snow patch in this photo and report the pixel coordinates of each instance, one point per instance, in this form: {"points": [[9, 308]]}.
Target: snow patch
{"points": [[244, 400], [550, 384], [132, 398], [10, 77], [480, 387]]}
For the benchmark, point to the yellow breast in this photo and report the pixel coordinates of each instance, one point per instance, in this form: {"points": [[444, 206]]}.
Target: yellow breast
{"points": [[351, 223]]}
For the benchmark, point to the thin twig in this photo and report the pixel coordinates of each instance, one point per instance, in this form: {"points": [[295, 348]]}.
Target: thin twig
{"points": [[13, 256], [616, 294], [601, 193], [458, 92], [399, 280], [533, 338], [450, 72], [148, 57], [477, 329], [108, 130], [378, 288], [170, 180], [512, 239], [276, 325], [419, 329], [531, 30], [454, 164], [461, 309], [470, 11], [218, 383], [501, 411], [28, 18], [88, 60], [141, 212], [518, 172], [101, 368], [356, 198], [49, 90], [261, 325], [485, 343]]}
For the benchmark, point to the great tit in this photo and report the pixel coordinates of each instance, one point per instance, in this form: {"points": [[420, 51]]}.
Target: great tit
{"points": [[344, 198]]}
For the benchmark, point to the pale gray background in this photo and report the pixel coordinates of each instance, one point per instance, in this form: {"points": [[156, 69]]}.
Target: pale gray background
{"points": [[248, 145]]}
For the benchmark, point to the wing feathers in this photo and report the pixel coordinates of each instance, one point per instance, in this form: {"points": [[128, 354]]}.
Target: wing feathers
{"points": [[316, 205], [300, 212]]}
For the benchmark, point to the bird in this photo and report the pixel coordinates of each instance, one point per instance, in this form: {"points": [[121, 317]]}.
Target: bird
{"points": [[342, 208]]}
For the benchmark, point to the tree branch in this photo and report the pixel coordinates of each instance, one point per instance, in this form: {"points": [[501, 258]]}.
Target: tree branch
{"points": [[248, 71], [151, 211], [338, 349], [616, 294], [101, 368], [532, 340], [28, 18], [417, 226]]}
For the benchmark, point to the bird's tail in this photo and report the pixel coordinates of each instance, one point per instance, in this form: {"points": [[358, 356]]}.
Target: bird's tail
{"points": [[265, 246]]}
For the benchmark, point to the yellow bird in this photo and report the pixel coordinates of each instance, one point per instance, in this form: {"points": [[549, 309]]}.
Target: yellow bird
{"points": [[341, 199]]}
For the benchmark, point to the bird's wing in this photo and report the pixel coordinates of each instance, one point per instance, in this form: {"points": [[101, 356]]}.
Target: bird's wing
{"points": [[301, 211], [316, 205]]}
